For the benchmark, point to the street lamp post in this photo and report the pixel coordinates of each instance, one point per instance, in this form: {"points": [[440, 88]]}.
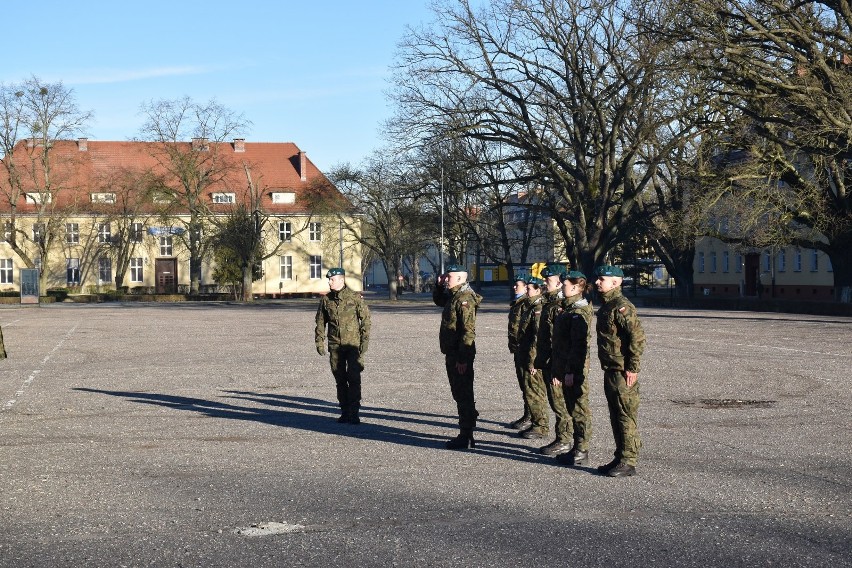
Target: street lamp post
{"points": [[441, 252]]}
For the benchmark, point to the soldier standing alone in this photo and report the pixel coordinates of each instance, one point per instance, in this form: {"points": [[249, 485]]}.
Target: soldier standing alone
{"points": [[621, 342], [458, 344], [347, 317]]}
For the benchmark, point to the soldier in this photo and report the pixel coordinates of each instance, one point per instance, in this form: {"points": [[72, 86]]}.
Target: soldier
{"points": [[348, 320], [544, 348], [572, 332], [535, 393], [516, 311], [458, 344], [2, 346], [621, 341]]}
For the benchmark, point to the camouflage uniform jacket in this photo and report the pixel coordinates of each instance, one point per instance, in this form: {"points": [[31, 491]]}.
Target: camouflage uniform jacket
{"points": [[457, 336], [621, 339], [516, 310], [348, 320], [528, 329], [544, 341], [572, 332]]}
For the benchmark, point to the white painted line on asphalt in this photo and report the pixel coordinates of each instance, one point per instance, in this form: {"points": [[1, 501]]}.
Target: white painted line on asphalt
{"points": [[759, 346], [20, 392]]}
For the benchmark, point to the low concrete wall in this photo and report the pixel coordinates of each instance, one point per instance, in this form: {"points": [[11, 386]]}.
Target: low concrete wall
{"points": [[752, 305]]}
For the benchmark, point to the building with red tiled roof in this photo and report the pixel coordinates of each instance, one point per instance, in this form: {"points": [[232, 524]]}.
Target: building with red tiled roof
{"points": [[103, 210]]}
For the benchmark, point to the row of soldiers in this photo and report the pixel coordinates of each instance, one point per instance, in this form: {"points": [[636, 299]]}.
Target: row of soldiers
{"points": [[549, 335], [550, 327]]}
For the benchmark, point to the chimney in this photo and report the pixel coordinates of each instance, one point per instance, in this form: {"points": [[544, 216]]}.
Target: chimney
{"points": [[239, 144], [303, 165], [200, 144], [83, 144]]}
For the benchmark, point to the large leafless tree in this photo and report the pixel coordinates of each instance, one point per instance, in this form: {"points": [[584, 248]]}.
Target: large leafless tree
{"points": [[568, 87], [189, 142], [783, 73]]}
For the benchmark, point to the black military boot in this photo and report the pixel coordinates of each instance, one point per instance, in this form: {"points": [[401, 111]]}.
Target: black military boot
{"points": [[462, 442], [574, 458], [603, 469], [353, 415], [621, 470], [532, 433], [555, 448], [521, 423]]}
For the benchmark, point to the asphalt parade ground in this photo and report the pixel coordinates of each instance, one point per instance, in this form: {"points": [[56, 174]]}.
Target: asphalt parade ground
{"points": [[205, 435]]}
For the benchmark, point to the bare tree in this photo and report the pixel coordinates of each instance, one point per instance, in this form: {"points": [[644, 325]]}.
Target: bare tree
{"points": [[392, 223], [783, 72], [568, 86], [192, 167], [34, 117]]}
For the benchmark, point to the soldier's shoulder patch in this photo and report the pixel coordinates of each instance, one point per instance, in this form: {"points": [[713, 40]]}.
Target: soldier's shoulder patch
{"points": [[464, 303], [622, 309]]}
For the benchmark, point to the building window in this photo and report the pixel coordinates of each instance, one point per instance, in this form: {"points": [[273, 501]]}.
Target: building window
{"points": [[72, 271], [166, 246], [700, 262], [713, 262], [283, 197], [72, 233], [286, 267], [104, 233], [726, 262], [6, 271], [797, 261], [767, 261], [38, 233], [814, 260], [738, 263], [104, 270], [136, 270], [782, 260], [285, 231], [829, 268], [224, 197], [315, 263], [38, 198], [137, 231], [103, 198], [315, 231]]}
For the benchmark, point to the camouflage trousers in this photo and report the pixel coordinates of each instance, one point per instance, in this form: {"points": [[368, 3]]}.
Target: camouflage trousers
{"points": [[577, 405], [623, 406], [535, 395], [461, 386], [346, 366], [519, 373], [557, 404]]}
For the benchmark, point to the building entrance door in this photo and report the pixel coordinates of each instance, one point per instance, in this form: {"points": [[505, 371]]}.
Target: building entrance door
{"points": [[752, 274], [165, 273]]}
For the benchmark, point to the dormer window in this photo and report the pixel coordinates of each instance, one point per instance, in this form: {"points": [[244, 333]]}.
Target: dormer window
{"points": [[283, 197], [103, 198], [224, 197], [38, 198]]}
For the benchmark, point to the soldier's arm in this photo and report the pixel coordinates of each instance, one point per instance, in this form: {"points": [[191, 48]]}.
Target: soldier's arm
{"points": [[633, 341], [439, 294], [364, 321], [466, 321], [319, 331]]}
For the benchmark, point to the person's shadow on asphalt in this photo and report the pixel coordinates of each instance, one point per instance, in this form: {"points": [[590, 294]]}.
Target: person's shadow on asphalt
{"points": [[319, 416]]}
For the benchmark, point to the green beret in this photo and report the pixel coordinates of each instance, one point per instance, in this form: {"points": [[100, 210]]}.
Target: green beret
{"points": [[334, 272], [536, 281], [552, 270], [572, 275], [609, 270], [455, 268]]}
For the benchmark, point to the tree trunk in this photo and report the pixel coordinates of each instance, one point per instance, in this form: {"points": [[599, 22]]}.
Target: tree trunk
{"points": [[841, 265], [391, 271], [247, 283]]}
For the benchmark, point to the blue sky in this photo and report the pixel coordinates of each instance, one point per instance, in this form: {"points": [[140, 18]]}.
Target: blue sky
{"points": [[314, 73]]}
